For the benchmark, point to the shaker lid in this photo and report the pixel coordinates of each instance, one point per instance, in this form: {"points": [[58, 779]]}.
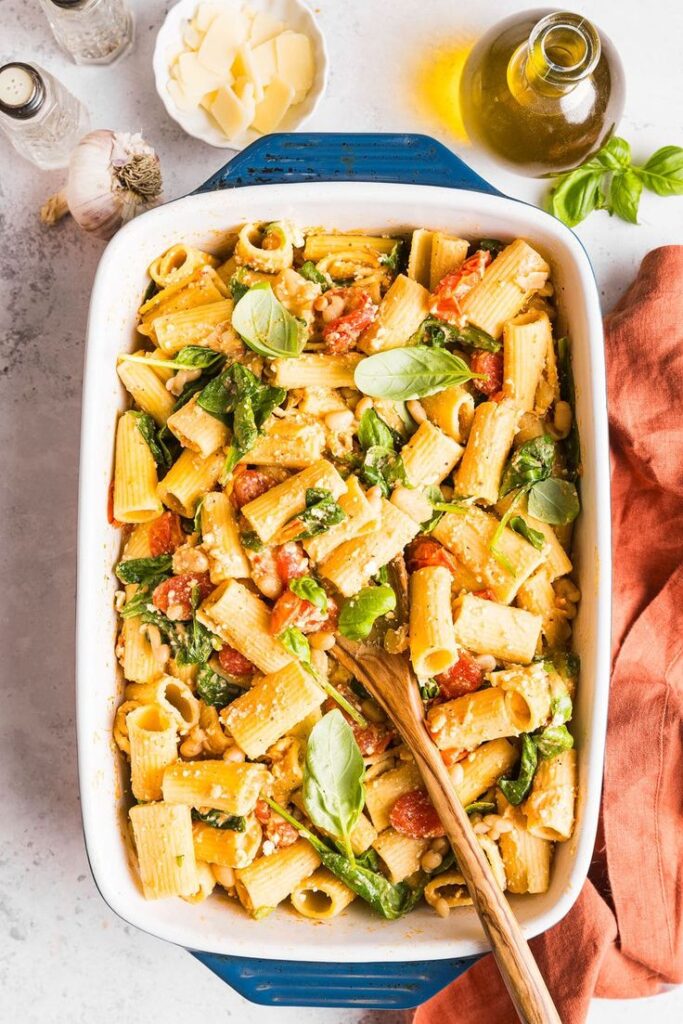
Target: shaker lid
{"points": [[69, 3], [22, 90]]}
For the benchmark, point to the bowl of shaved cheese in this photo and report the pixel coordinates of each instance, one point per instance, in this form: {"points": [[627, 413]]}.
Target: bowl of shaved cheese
{"points": [[229, 72]]}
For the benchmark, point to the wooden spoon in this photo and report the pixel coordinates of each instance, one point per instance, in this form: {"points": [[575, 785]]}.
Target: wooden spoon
{"points": [[389, 679]]}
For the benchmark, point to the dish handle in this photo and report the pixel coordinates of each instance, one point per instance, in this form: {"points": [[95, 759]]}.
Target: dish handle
{"points": [[332, 156], [382, 986]]}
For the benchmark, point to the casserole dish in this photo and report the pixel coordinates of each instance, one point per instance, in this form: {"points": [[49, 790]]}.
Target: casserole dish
{"points": [[380, 183]]}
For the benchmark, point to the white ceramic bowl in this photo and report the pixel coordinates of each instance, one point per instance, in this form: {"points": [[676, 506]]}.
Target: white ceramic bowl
{"points": [[205, 220], [198, 123]]}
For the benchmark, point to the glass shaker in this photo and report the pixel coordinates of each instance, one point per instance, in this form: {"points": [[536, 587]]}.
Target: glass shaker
{"points": [[41, 118], [91, 31]]}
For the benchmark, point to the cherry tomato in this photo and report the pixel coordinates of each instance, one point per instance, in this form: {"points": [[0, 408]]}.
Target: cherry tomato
{"points": [[373, 738], [110, 508], [291, 610], [342, 333], [490, 364], [173, 597], [280, 832], [262, 810], [449, 293], [425, 551], [165, 534], [462, 677], [414, 815], [249, 484], [290, 561], [234, 663]]}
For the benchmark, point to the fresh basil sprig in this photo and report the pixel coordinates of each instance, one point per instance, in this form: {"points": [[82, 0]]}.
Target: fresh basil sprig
{"points": [[333, 790], [359, 613], [438, 333], [610, 181], [534, 537], [294, 641], [265, 326], [310, 590], [214, 689], [145, 571], [414, 372]]}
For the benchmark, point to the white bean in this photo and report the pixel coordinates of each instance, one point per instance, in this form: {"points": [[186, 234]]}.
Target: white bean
{"points": [[416, 410], [340, 421], [431, 861], [486, 662], [441, 907], [562, 420], [363, 406], [322, 641]]}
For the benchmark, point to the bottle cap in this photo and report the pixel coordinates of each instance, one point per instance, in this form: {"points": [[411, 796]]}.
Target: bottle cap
{"points": [[22, 91], [69, 3]]}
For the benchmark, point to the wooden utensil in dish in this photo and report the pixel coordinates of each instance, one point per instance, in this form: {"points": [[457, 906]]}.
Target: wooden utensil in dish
{"points": [[389, 679]]}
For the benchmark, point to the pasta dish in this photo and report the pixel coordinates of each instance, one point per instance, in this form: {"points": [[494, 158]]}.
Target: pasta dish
{"points": [[367, 436]]}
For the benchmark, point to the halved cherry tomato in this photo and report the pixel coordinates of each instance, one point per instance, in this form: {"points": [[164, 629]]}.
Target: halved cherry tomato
{"points": [[342, 333], [275, 828], [291, 610], [234, 663], [110, 508], [463, 677], [414, 815], [173, 597], [454, 287], [425, 551], [262, 810], [165, 534], [249, 484], [290, 561], [491, 365]]}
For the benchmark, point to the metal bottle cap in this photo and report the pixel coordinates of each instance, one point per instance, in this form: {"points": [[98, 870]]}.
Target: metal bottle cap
{"points": [[69, 3], [20, 98]]}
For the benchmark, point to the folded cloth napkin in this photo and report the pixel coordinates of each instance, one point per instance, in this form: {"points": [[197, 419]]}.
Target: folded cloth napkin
{"points": [[624, 935]]}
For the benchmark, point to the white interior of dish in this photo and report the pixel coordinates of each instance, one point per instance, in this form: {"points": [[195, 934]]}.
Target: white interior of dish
{"points": [[218, 925]]}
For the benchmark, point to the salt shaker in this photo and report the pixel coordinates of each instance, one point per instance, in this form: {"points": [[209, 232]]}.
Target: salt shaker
{"points": [[41, 118], [91, 31]]}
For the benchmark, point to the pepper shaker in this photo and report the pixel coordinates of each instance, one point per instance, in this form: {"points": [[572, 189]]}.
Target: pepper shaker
{"points": [[91, 31]]}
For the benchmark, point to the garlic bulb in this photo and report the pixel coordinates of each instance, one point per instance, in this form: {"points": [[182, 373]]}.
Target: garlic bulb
{"points": [[112, 177]]}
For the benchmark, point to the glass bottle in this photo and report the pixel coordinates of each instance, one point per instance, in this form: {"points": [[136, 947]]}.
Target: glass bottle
{"points": [[542, 90], [41, 118], [91, 31]]}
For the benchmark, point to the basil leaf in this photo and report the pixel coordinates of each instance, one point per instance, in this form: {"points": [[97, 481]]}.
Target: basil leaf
{"points": [[161, 452], [481, 807], [250, 540], [625, 195], [146, 571], [221, 820], [294, 641], [198, 357], [553, 740], [615, 154], [264, 324], [321, 512], [214, 689], [384, 468], [514, 790], [663, 172], [358, 613], [532, 461], [406, 373], [373, 431], [534, 537], [310, 590], [554, 501], [311, 273], [333, 777], [577, 194]]}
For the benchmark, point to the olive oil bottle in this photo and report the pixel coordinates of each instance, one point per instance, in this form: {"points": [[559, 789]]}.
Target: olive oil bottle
{"points": [[542, 90]]}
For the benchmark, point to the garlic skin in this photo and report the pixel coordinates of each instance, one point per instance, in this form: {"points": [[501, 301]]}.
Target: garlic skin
{"points": [[112, 177]]}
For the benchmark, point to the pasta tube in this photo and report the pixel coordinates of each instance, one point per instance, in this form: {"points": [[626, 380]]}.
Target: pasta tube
{"points": [[432, 639]]}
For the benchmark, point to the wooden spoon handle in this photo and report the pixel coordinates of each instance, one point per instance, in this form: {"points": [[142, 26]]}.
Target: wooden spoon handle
{"points": [[517, 966]]}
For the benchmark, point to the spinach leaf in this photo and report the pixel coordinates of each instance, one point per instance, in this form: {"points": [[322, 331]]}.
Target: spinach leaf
{"points": [[663, 172], [161, 451], [554, 501], [309, 589], [384, 468], [373, 431], [534, 537], [214, 689], [333, 778], [237, 285], [553, 740], [311, 273], [438, 333], [481, 807], [250, 540], [514, 790], [358, 613], [391, 901], [492, 245], [392, 260], [197, 518], [198, 357], [415, 372], [321, 512], [221, 820], [197, 645], [146, 571], [369, 859], [239, 395], [429, 689], [566, 663], [265, 326], [150, 291], [531, 462]]}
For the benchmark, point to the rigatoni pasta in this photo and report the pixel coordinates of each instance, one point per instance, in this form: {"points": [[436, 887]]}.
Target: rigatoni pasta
{"points": [[277, 487]]}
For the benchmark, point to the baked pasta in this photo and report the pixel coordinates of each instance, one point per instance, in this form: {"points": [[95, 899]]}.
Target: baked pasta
{"points": [[360, 435]]}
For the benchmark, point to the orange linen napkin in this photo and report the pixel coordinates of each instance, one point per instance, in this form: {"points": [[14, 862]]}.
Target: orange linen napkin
{"points": [[624, 935]]}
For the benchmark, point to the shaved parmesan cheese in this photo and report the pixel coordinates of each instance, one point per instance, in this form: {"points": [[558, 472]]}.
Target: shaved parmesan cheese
{"points": [[244, 90], [294, 61], [276, 101], [244, 66], [264, 61], [192, 37], [230, 113], [221, 42], [194, 78], [205, 15], [179, 96], [264, 28]]}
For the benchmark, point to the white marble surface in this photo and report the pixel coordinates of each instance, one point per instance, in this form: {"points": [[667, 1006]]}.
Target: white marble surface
{"points": [[64, 956]]}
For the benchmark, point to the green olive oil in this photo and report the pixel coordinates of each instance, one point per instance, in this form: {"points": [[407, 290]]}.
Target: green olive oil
{"points": [[542, 90]]}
